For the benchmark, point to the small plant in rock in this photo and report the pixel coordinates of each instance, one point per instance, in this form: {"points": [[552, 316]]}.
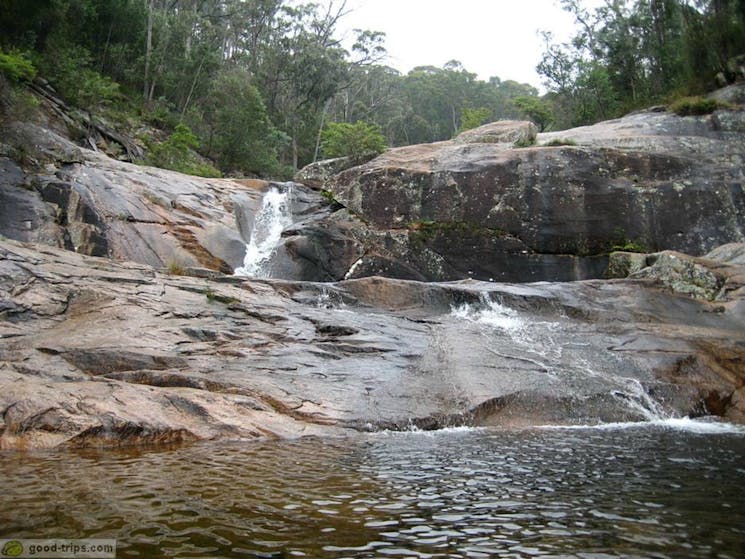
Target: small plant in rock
{"points": [[330, 198], [214, 297], [176, 269], [558, 142], [524, 143], [622, 244], [696, 106], [631, 246], [421, 224]]}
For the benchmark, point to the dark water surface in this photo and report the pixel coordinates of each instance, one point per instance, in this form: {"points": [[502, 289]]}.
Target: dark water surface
{"points": [[654, 491]]}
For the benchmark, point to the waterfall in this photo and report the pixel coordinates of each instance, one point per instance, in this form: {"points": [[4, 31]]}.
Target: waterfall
{"points": [[271, 219], [563, 358], [638, 399]]}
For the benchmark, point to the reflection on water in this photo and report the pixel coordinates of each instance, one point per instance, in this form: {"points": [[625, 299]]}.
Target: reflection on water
{"points": [[635, 492]]}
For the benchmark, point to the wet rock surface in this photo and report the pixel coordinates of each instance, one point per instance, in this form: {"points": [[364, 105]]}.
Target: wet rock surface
{"points": [[96, 352], [81, 200]]}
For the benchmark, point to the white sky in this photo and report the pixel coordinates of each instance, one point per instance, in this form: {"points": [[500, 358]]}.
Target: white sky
{"points": [[489, 37]]}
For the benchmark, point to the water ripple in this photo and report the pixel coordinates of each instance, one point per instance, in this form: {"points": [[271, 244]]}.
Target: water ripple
{"points": [[652, 492]]}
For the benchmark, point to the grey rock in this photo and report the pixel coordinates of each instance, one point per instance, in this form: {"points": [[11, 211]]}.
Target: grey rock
{"points": [[104, 207], [101, 353], [500, 132], [623, 264], [733, 253], [682, 274], [317, 175], [40, 146], [454, 210], [734, 94]]}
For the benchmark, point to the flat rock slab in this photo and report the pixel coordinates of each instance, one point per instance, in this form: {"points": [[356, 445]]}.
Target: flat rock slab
{"points": [[95, 352]]}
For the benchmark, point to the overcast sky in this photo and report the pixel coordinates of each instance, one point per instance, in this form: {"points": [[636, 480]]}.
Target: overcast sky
{"points": [[490, 37]]}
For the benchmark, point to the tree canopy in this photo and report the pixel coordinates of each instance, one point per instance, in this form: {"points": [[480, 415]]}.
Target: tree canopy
{"points": [[630, 54], [258, 81]]}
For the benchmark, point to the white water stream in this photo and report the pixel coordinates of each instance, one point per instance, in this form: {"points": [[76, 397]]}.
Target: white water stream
{"points": [[543, 344], [271, 220]]}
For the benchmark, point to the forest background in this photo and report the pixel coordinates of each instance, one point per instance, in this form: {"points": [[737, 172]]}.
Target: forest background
{"points": [[264, 87]]}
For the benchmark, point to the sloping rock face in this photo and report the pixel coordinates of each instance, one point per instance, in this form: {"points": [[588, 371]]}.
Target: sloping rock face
{"points": [[473, 208], [75, 198], [95, 352]]}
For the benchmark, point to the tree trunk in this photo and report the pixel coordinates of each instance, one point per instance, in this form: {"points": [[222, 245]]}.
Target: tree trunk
{"points": [[320, 130], [193, 86], [148, 48], [294, 152]]}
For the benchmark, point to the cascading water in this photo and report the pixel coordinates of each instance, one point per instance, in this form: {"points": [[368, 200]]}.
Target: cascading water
{"points": [[525, 342], [271, 219], [491, 314]]}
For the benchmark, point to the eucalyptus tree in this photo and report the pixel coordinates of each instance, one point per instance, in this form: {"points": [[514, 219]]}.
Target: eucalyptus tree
{"points": [[628, 54]]}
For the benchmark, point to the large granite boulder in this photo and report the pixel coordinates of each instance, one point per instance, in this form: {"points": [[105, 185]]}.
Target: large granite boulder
{"points": [[500, 132], [482, 208]]}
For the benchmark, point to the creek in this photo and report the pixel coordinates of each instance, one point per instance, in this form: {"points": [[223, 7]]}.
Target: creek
{"points": [[659, 489]]}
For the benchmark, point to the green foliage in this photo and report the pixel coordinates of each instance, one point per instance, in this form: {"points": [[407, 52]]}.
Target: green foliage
{"points": [[243, 137], [16, 66], [340, 139], [95, 89], [623, 244], [182, 139], [68, 68], [473, 118], [536, 110], [557, 142], [257, 81], [695, 106], [628, 55], [524, 143], [177, 154], [176, 268]]}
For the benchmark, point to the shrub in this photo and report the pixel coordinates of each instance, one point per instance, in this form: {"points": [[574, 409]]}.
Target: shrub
{"points": [[340, 139], [536, 110], [688, 106], [16, 67], [95, 89], [556, 142], [473, 118], [524, 143], [68, 68], [177, 154], [176, 269]]}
